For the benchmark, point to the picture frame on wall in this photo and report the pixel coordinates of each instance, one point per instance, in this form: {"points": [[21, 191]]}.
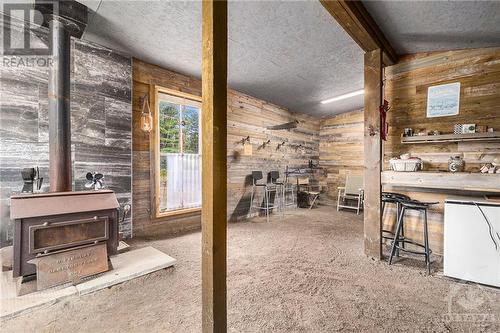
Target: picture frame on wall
{"points": [[443, 100]]}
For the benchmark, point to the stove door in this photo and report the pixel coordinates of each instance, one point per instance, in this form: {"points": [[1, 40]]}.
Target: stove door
{"points": [[51, 236]]}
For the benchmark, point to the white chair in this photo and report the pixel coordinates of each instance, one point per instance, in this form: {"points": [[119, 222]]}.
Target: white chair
{"points": [[352, 191]]}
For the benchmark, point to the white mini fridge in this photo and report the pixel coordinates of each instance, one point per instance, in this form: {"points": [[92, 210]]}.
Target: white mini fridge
{"points": [[472, 240]]}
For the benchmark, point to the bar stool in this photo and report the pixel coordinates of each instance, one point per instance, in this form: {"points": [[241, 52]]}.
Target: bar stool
{"points": [[393, 198], [398, 238], [267, 190], [289, 192], [280, 189], [291, 189]]}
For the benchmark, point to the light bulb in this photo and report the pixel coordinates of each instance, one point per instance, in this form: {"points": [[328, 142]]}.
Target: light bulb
{"points": [[146, 122], [146, 118]]}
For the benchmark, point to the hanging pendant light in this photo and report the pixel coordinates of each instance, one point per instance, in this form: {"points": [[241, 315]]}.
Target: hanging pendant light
{"points": [[146, 117]]}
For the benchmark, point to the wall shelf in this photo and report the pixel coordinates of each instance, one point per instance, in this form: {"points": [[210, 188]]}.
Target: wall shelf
{"points": [[463, 181], [488, 136]]}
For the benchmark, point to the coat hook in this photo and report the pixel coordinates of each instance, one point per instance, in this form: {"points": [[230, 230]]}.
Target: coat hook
{"points": [[280, 145], [371, 130], [265, 143], [245, 139]]}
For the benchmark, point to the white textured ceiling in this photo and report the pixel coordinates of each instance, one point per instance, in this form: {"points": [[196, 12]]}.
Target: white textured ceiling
{"points": [[291, 53], [422, 26]]}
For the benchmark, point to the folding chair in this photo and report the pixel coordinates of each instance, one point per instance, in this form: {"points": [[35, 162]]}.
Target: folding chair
{"points": [[353, 190], [313, 191]]}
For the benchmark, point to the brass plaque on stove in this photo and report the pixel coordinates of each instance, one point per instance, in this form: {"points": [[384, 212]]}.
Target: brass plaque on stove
{"points": [[70, 266]]}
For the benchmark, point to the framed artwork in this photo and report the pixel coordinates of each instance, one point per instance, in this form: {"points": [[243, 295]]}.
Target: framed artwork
{"points": [[443, 100]]}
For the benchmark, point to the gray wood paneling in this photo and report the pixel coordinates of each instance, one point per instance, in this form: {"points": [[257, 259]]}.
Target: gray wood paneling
{"points": [[101, 114]]}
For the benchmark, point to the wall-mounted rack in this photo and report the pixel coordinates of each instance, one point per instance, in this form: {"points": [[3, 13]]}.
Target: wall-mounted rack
{"points": [[488, 136]]}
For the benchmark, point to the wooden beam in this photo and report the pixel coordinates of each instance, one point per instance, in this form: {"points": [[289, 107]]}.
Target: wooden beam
{"points": [[214, 170], [373, 153], [359, 24]]}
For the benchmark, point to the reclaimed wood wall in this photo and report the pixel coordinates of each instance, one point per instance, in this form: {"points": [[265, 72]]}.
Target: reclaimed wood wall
{"points": [[478, 72], [247, 116], [340, 150]]}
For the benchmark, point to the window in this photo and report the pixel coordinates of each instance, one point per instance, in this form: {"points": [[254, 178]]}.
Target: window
{"points": [[178, 150]]}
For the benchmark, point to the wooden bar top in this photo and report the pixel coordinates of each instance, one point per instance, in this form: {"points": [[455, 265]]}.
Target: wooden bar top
{"points": [[463, 181]]}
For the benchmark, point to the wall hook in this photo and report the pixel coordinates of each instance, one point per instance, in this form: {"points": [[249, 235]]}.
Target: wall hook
{"points": [[265, 143], [243, 140], [371, 130]]}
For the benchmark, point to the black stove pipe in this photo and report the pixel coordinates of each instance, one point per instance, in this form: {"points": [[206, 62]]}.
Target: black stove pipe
{"points": [[60, 168]]}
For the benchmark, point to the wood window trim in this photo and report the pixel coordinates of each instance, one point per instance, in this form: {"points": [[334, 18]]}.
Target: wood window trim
{"points": [[154, 147], [180, 212]]}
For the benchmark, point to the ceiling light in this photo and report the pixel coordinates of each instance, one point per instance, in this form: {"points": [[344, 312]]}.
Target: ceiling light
{"points": [[338, 98]]}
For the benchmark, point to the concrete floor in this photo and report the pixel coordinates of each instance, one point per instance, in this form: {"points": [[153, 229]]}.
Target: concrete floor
{"points": [[304, 273]]}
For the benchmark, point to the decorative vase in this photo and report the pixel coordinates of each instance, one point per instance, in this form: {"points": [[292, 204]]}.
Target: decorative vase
{"points": [[456, 164]]}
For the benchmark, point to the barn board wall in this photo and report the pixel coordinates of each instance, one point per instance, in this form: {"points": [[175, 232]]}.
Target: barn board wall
{"points": [[340, 150], [478, 72], [247, 116]]}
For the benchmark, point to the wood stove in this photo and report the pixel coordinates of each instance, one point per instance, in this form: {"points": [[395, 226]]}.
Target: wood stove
{"points": [[56, 222], [62, 222]]}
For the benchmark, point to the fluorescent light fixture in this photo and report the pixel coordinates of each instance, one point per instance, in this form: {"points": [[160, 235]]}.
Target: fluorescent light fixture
{"points": [[338, 98]]}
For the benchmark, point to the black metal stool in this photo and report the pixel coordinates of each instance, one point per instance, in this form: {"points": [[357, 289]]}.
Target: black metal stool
{"points": [[398, 238], [393, 198], [280, 188], [267, 189]]}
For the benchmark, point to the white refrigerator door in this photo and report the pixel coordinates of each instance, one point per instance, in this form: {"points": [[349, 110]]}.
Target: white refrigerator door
{"points": [[470, 252]]}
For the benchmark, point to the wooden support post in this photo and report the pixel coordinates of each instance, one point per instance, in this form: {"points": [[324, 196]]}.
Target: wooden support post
{"points": [[373, 153], [358, 23], [214, 169]]}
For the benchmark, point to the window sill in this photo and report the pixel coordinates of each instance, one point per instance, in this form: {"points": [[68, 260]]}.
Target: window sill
{"points": [[178, 213]]}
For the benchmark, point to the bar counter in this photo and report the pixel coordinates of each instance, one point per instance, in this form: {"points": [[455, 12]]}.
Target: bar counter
{"points": [[462, 181]]}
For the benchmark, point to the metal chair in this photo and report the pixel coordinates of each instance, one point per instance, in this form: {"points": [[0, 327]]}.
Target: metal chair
{"points": [[289, 191], [280, 190], [268, 189], [353, 190], [312, 191], [392, 198], [400, 239]]}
